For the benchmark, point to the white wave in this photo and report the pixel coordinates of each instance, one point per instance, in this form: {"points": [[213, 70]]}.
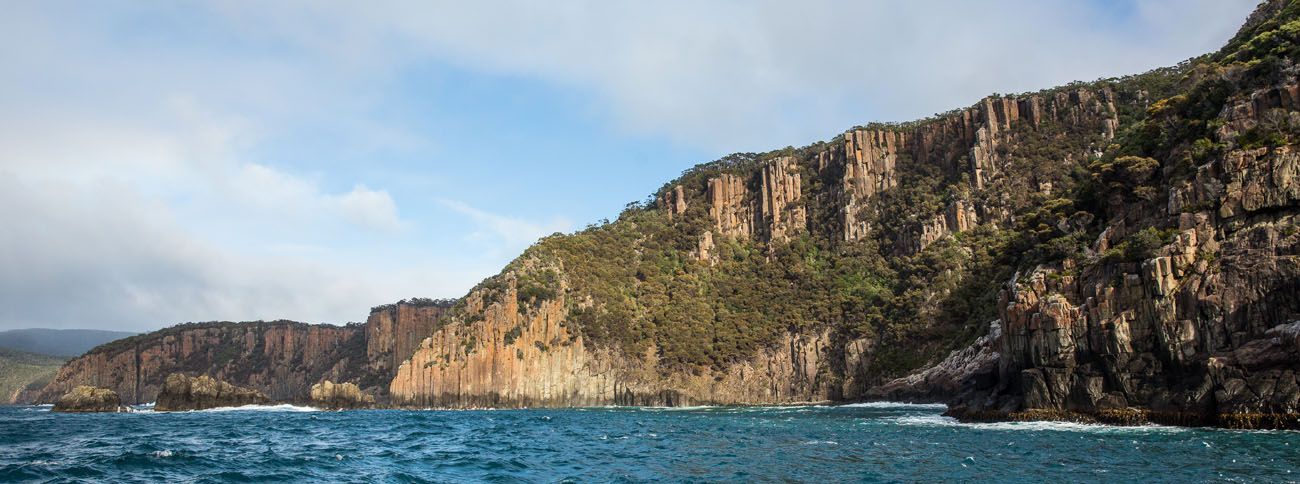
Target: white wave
{"points": [[901, 405], [1040, 425], [283, 407], [677, 409], [163, 453]]}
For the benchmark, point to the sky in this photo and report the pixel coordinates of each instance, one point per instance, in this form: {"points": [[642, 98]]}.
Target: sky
{"points": [[165, 162]]}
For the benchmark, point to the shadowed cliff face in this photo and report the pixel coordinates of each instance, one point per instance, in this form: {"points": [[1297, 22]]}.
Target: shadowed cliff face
{"points": [[394, 331], [281, 359], [1201, 332]]}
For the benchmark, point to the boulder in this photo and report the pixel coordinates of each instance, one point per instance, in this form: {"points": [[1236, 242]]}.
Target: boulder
{"points": [[180, 393], [328, 394], [87, 399]]}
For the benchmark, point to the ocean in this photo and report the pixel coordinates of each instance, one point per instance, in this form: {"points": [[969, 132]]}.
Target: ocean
{"points": [[876, 442]]}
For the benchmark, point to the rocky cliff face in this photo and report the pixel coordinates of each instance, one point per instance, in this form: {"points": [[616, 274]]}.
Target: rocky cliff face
{"points": [[282, 359], [519, 354], [1202, 332], [394, 331]]}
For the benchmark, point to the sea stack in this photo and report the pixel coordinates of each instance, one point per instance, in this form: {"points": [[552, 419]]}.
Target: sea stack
{"points": [[180, 393], [88, 399], [340, 396]]}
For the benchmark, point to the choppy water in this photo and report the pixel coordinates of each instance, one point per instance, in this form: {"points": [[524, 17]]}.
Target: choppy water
{"points": [[869, 442]]}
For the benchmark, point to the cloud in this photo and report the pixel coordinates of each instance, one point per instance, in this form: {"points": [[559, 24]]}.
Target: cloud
{"points": [[515, 232], [733, 75], [370, 208]]}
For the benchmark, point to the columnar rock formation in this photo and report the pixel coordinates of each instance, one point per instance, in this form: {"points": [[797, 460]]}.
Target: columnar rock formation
{"points": [[395, 330], [782, 213], [281, 358], [1203, 332], [865, 165], [525, 356], [732, 216]]}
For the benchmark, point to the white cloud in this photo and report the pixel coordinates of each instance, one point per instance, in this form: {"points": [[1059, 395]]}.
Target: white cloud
{"points": [[370, 208], [515, 232], [745, 75]]}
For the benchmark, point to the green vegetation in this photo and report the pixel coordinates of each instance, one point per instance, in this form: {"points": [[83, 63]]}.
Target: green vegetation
{"points": [[20, 370]]}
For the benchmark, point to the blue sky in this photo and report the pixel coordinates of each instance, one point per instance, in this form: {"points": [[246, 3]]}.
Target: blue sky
{"points": [[187, 161]]}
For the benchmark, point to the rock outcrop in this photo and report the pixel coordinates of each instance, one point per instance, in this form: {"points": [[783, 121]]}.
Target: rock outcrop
{"points": [[340, 396], [280, 358], [182, 393], [527, 356], [395, 330], [1200, 332], [971, 368], [88, 399]]}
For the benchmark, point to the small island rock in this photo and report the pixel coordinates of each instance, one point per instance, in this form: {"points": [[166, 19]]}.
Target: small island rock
{"points": [[328, 394], [180, 393], [86, 399]]}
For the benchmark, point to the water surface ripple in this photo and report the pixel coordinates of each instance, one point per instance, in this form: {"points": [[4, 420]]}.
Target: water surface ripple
{"points": [[867, 442]]}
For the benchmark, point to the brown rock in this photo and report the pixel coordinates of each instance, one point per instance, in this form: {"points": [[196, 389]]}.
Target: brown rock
{"points": [[181, 393], [328, 394], [88, 399]]}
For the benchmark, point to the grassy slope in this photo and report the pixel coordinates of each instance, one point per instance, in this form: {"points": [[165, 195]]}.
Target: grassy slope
{"points": [[19, 370]]}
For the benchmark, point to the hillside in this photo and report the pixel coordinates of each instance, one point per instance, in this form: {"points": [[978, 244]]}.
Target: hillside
{"points": [[20, 371], [57, 342], [1125, 244]]}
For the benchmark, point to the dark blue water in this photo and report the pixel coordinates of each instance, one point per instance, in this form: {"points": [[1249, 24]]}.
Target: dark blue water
{"points": [[875, 442]]}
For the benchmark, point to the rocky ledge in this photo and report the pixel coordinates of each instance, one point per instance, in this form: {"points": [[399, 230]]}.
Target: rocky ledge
{"points": [[180, 393], [340, 396], [88, 399]]}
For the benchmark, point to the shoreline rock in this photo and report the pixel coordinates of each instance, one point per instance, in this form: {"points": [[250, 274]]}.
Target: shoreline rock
{"points": [[180, 393], [88, 399], [340, 396]]}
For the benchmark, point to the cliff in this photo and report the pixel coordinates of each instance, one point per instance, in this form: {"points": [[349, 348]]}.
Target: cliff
{"points": [[1125, 244], [520, 353], [281, 359]]}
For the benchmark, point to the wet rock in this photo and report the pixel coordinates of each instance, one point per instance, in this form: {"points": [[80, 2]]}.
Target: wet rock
{"points": [[340, 396], [181, 393], [88, 399]]}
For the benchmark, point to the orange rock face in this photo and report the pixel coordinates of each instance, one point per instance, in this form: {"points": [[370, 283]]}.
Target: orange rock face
{"points": [[394, 331], [513, 354]]}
